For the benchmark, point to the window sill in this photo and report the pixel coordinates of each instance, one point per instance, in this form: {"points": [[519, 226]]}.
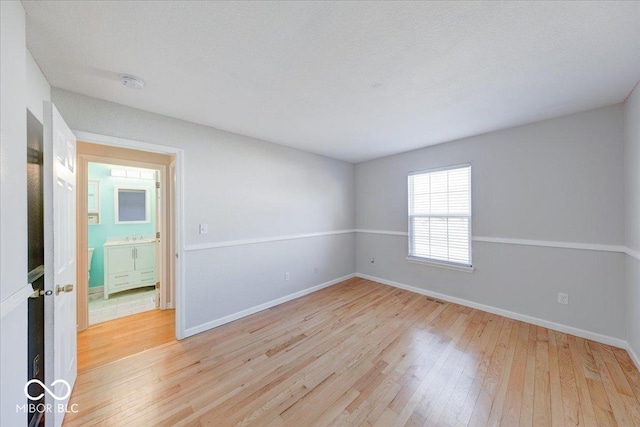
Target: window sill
{"points": [[440, 265]]}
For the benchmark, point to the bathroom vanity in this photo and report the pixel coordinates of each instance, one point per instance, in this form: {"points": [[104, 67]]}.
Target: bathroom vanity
{"points": [[129, 264]]}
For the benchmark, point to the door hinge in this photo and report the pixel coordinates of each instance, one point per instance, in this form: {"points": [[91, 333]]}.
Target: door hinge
{"points": [[157, 184], [158, 295], [157, 234]]}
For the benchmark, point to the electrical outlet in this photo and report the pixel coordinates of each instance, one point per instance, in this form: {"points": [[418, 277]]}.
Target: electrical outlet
{"points": [[563, 298], [286, 276], [373, 260], [204, 228]]}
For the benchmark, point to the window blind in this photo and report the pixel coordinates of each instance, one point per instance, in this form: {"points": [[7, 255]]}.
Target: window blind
{"points": [[440, 215]]}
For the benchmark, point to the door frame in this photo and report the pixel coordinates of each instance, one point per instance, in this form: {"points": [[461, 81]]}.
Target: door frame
{"points": [[173, 199], [111, 155]]}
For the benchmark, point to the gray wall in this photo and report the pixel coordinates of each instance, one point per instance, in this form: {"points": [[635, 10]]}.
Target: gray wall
{"points": [[13, 211], [556, 180], [632, 198], [243, 189]]}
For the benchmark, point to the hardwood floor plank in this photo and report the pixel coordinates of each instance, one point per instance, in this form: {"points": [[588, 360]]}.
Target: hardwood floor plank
{"points": [[555, 388], [357, 353], [515, 387], [629, 369], [616, 371], [482, 409], [487, 348], [609, 402], [459, 382], [568, 386], [472, 356], [583, 369], [134, 334], [542, 392], [434, 400], [528, 392], [429, 371], [497, 408]]}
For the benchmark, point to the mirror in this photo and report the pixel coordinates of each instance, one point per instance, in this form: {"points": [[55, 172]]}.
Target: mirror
{"points": [[131, 205]]}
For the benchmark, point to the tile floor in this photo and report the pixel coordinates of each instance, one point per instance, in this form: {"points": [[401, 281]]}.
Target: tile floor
{"points": [[121, 304]]}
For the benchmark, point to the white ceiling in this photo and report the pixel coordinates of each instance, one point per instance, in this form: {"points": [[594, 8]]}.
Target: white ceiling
{"points": [[350, 80]]}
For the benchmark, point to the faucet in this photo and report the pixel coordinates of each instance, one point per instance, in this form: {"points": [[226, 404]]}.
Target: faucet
{"points": [[134, 237]]}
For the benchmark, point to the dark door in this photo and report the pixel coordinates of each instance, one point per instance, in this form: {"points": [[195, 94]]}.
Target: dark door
{"points": [[35, 363]]}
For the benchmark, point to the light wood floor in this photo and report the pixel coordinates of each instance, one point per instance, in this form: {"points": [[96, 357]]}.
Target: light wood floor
{"points": [[107, 342], [362, 353]]}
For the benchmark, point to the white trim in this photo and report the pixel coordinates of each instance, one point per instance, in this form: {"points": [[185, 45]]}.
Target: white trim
{"points": [[147, 202], [227, 243], [551, 244], [440, 169], [605, 339], [180, 227], [634, 355], [14, 300], [412, 216], [445, 265], [384, 232], [633, 254], [114, 141], [235, 316], [528, 242]]}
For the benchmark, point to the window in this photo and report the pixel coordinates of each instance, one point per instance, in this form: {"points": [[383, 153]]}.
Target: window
{"points": [[440, 215]]}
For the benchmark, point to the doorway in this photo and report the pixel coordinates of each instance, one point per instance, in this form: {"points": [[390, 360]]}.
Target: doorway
{"points": [[124, 233], [123, 257]]}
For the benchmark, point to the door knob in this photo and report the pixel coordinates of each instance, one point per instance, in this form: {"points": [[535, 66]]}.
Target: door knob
{"points": [[65, 288]]}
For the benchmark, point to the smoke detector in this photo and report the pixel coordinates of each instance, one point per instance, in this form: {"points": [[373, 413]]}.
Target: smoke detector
{"points": [[132, 82]]}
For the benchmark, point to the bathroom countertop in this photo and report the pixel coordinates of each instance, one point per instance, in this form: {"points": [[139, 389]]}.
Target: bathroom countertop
{"points": [[129, 242]]}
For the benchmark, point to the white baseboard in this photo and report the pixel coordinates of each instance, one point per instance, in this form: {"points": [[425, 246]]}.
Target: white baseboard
{"points": [[605, 339], [634, 355], [96, 290], [235, 316]]}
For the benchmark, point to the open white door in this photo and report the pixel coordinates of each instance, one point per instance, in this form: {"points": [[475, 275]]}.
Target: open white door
{"points": [[60, 262], [160, 300]]}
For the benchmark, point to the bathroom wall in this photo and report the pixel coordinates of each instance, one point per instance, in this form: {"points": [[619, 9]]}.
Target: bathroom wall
{"points": [[99, 233]]}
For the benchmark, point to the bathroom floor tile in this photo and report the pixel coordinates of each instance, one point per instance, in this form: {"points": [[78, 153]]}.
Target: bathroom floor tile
{"points": [[121, 304]]}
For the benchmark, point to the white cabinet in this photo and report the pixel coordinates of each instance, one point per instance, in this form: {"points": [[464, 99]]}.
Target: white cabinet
{"points": [[128, 265]]}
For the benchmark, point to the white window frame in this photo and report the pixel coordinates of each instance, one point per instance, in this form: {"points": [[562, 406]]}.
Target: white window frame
{"points": [[433, 261], [147, 203]]}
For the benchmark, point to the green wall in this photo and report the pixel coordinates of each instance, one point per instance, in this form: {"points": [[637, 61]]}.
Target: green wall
{"points": [[107, 228]]}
